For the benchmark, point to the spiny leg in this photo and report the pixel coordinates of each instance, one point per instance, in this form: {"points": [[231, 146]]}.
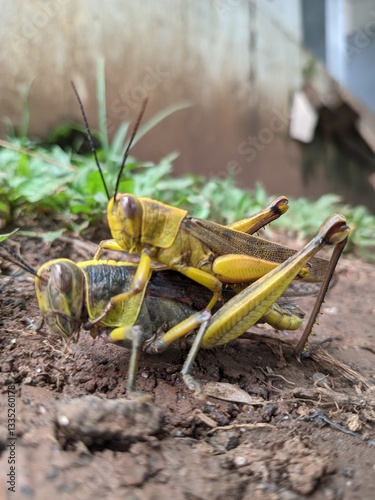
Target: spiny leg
{"points": [[320, 298], [246, 308]]}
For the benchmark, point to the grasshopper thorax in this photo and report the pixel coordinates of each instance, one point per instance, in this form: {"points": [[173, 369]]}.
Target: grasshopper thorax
{"points": [[60, 287], [125, 216]]}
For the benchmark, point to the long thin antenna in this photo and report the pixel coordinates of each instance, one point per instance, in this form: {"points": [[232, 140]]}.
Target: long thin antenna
{"points": [[126, 154], [19, 261], [90, 139]]}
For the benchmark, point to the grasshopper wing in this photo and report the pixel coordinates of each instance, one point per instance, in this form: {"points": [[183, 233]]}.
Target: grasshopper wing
{"points": [[222, 240]]}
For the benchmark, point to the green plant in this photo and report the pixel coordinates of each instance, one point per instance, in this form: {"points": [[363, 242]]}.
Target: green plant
{"points": [[65, 186], [305, 216], [4, 237], [54, 181]]}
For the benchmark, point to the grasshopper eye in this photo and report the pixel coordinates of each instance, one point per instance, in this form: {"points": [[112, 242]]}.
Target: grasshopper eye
{"points": [[42, 279], [128, 207], [62, 278]]}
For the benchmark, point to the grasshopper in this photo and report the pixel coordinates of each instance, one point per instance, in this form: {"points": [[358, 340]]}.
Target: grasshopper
{"points": [[69, 294], [208, 253]]}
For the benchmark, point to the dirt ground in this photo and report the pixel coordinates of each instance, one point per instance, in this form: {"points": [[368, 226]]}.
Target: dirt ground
{"points": [[271, 427]]}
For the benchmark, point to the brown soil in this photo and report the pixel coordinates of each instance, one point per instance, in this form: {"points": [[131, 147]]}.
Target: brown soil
{"points": [[277, 431]]}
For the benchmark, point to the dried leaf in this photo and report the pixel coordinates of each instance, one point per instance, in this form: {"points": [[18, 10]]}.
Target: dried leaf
{"points": [[230, 392], [353, 423]]}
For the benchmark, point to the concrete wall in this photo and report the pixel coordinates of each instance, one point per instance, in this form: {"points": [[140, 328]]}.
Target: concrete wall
{"points": [[237, 61]]}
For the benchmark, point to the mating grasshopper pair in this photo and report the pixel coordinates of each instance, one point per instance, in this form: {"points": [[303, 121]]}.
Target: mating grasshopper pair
{"points": [[71, 295], [210, 254], [214, 255]]}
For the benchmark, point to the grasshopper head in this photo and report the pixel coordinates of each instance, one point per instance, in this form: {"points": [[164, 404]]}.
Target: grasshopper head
{"points": [[125, 215], [60, 289]]}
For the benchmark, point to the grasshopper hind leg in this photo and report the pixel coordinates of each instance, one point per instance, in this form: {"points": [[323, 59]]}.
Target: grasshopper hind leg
{"points": [[133, 337], [189, 380], [339, 247]]}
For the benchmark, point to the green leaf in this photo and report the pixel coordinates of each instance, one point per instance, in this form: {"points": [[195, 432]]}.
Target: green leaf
{"points": [[47, 236], [4, 237]]}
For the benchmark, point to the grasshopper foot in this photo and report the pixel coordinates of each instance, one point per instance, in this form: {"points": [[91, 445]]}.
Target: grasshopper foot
{"points": [[194, 385], [313, 347], [139, 396]]}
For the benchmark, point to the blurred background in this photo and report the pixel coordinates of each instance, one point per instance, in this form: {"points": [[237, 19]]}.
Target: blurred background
{"points": [[280, 91]]}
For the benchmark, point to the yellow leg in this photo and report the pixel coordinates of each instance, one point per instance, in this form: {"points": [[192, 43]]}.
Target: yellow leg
{"points": [[133, 338], [204, 279], [282, 318], [140, 280], [178, 331], [246, 308], [255, 222], [235, 268], [107, 245], [139, 284]]}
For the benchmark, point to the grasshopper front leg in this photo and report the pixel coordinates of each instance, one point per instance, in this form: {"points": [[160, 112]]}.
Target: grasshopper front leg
{"points": [[138, 286], [107, 245]]}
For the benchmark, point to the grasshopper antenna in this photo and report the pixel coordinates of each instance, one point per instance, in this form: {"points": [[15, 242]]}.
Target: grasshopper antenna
{"points": [[90, 139], [18, 261], [126, 154]]}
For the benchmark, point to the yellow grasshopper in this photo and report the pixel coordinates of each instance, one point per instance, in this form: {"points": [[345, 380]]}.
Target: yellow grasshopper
{"points": [[210, 254], [69, 294]]}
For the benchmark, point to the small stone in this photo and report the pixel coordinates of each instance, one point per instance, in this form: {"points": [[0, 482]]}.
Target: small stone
{"points": [[353, 423], [348, 472], [225, 440], [267, 412], [96, 421], [239, 461], [320, 379], [63, 420]]}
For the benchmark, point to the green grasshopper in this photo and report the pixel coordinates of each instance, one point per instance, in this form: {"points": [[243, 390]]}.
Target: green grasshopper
{"points": [[208, 253], [69, 294]]}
